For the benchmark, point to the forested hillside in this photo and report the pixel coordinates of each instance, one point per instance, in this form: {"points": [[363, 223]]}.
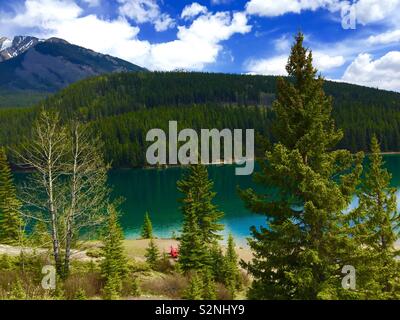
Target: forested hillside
{"points": [[123, 107]]}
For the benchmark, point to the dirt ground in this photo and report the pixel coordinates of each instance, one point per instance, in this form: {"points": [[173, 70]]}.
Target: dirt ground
{"points": [[135, 249]]}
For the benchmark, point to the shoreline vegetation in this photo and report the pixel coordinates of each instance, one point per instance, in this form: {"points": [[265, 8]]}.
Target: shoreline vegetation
{"points": [[216, 163]]}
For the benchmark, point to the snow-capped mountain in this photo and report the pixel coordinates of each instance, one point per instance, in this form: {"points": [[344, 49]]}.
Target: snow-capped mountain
{"points": [[5, 43], [28, 64], [12, 48]]}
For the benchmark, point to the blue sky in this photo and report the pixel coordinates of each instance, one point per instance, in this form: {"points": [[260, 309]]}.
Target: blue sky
{"points": [[235, 36]]}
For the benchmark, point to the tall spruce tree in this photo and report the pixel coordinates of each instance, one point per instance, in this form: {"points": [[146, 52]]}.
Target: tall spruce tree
{"points": [[192, 251], [375, 224], [209, 287], [299, 254], [152, 255], [10, 220], [197, 183], [232, 272], [114, 264], [194, 291], [200, 219], [147, 228]]}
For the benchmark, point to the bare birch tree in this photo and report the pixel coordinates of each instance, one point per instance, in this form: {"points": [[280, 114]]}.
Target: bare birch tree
{"points": [[68, 190], [45, 154]]}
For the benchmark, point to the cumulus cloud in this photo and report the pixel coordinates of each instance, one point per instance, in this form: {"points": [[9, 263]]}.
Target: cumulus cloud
{"points": [[385, 37], [195, 46], [367, 11], [193, 10], [276, 65], [383, 73], [272, 8], [142, 11], [272, 66], [200, 43], [325, 62]]}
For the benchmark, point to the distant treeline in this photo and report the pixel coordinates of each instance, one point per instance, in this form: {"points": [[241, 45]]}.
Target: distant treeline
{"points": [[123, 107]]}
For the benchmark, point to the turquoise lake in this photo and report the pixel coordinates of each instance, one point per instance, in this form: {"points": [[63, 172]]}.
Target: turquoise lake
{"points": [[154, 191]]}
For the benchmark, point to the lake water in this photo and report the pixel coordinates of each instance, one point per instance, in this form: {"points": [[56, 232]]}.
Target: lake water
{"points": [[154, 191]]}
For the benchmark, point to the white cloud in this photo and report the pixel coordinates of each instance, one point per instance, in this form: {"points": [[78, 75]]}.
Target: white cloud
{"points": [[385, 38], [383, 73], [142, 11], [193, 10], [283, 43], [367, 11], [164, 22], [272, 8], [325, 62], [272, 66], [92, 3], [276, 65], [196, 45], [200, 43]]}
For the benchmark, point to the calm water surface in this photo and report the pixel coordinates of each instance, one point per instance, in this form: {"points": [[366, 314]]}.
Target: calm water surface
{"points": [[155, 191]]}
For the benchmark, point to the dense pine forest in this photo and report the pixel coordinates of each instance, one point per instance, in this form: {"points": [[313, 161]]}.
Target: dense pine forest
{"points": [[123, 107]]}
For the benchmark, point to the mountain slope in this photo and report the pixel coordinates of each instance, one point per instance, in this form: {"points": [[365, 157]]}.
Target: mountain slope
{"points": [[123, 107], [43, 67], [125, 92]]}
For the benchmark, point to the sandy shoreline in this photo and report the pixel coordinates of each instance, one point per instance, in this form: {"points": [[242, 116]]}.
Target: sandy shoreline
{"points": [[134, 248]]}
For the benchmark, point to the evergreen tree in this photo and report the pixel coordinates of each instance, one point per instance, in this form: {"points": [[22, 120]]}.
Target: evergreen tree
{"points": [[193, 254], [200, 220], [147, 229], [40, 236], [232, 273], [6, 262], [209, 289], [112, 288], [299, 255], [199, 186], [10, 220], [152, 255], [194, 291], [134, 287], [374, 223], [114, 264], [218, 263]]}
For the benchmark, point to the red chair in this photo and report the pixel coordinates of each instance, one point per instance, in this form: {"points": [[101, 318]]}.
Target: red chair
{"points": [[174, 253]]}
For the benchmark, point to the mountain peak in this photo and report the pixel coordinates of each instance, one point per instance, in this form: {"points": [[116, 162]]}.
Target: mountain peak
{"points": [[31, 64], [5, 43], [57, 40], [11, 49]]}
